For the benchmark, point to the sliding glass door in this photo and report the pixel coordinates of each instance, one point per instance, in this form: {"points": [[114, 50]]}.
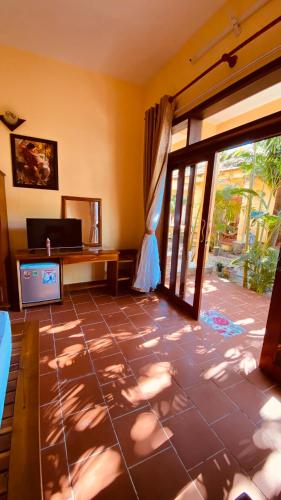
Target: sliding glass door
{"points": [[189, 188]]}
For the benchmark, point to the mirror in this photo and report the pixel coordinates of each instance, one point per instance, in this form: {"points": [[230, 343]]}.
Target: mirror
{"points": [[89, 211]]}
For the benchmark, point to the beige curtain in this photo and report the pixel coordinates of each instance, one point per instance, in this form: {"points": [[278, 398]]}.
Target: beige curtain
{"points": [[157, 145]]}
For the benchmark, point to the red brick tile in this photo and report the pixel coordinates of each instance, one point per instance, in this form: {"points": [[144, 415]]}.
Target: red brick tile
{"points": [[192, 438], [88, 432], [115, 319], [163, 476], [126, 299], [85, 307], [55, 479], [70, 345], [222, 473], [123, 396], [139, 347], [47, 362], [111, 367], [80, 298], [123, 332], [49, 389], [131, 309], [109, 308], [140, 435], [74, 365], [46, 343], [250, 399], [95, 331], [103, 346], [51, 427], [38, 314], [103, 299], [80, 394], [102, 476], [237, 433], [211, 401], [90, 318], [64, 317]]}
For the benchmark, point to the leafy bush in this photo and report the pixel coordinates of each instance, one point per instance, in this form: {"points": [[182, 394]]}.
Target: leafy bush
{"points": [[261, 263]]}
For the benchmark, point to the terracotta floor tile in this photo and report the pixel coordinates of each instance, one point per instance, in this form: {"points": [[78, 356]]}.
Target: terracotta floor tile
{"points": [[193, 439], [168, 351], [51, 426], [80, 394], [68, 330], [123, 396], [260, 380], [267, 476], [124, 300], [39, 315], [250, 399], [103, 299], [115, 319], [66, 306], [112, 367], [102, 476], [74, 365], [70, 345], [46, 343], [142, 320], [109, 308], [139, 347], [95, 331], [211, 401], [140, 435], [48, 388], [163, 477], [186, 374], [88, 432], [220, 477], [85, 307], [90, 318], [142, 366], [103, 346], [81, 298], [17, 315], [123, 332], [237, 433], [47, 362], [55, 477], [131, 309], [64, 317]]}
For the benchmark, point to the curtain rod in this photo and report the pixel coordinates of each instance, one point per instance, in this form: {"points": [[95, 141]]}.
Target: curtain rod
{"points": [[230, 57]]}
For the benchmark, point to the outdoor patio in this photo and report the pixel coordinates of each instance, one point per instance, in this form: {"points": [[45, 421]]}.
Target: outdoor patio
{"points": [[140, 401]]}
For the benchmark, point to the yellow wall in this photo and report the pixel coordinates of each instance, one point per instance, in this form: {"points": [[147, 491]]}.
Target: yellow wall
{"points": [[98, 124], [179, 71]]}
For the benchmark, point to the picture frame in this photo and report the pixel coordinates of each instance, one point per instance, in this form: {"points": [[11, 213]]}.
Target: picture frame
{"points": [[34, 162]]}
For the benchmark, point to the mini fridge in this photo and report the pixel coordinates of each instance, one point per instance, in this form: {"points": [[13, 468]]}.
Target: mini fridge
{"points": [[40, 281]]}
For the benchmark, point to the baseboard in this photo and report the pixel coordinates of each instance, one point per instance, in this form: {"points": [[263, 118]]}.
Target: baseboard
{"points": [[84, 285]]}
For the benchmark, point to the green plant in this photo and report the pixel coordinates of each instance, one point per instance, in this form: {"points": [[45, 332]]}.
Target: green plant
{"points": [[261, 264]]}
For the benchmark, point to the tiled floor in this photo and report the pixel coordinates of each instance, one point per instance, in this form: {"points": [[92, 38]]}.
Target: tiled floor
{"points": [[140, 401]]}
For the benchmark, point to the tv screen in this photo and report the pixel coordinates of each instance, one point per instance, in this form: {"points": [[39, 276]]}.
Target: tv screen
{"points": [[63, 233]]}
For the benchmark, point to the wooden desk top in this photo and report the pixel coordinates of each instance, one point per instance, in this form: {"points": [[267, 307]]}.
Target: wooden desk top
{"points": [[90, 254]]}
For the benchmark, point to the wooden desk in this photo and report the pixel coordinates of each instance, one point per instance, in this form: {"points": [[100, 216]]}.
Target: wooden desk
{"points": [[66, 257]]}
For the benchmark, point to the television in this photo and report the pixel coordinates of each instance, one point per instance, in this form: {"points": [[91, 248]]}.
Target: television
{"points": [[63, 233]]}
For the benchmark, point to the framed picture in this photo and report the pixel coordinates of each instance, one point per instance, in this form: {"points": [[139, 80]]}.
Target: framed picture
{"points": [[34, 162]]}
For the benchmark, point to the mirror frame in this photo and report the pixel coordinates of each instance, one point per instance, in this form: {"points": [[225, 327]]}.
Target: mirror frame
{"points": [[64, 199]]}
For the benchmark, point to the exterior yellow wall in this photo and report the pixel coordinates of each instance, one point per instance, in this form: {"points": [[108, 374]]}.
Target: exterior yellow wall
{"points": [[98, 124], [179, 71]]}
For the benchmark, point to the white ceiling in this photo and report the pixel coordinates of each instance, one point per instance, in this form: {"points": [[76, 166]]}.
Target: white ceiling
{"points": [[128, 39], [255, 101]]}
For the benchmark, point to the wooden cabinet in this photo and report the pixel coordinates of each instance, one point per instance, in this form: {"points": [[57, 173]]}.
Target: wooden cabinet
{"points": [[4, 246], [126, 265]]}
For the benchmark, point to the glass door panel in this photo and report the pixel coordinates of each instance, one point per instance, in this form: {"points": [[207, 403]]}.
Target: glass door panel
{"points": [[186, 227]]}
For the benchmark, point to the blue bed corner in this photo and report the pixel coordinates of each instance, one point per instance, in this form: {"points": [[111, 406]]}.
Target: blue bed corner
{"points": [[5, 356]]}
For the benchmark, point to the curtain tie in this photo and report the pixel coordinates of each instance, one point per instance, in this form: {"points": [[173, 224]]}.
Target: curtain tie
{"points": [[149, 232]]}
